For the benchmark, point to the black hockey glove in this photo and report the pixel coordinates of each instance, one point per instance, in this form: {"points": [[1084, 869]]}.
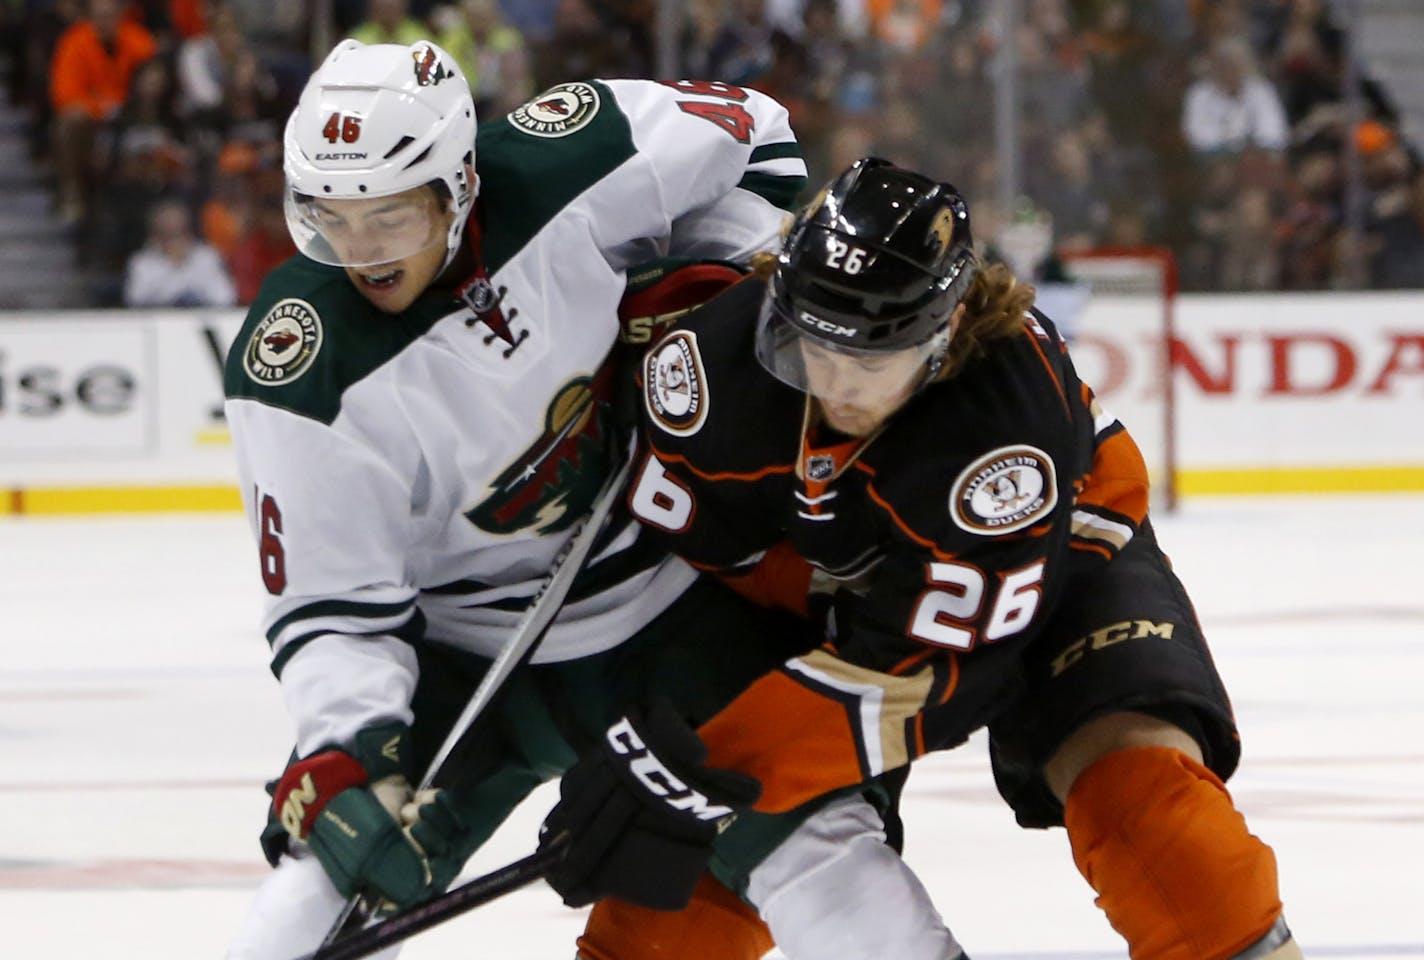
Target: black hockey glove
{"points": [[640, 814]]}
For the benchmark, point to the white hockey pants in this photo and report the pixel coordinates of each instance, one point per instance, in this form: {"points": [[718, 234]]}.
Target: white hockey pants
{"points": [[294, 908], [833, 890]]}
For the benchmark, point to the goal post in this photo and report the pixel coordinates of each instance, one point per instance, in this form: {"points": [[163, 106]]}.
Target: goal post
{"points": [[1122, 341]]}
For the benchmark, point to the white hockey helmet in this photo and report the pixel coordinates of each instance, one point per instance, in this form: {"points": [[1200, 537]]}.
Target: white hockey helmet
{"points": [[374, 121]]}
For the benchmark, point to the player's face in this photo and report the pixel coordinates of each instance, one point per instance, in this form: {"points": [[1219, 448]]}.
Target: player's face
{"points": [[857, 394], [392, 247]]}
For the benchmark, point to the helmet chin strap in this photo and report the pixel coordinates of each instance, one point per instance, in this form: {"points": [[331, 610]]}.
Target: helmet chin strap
{"points": [[452, 247], [456, 234], [941, 349], [933, 363]]}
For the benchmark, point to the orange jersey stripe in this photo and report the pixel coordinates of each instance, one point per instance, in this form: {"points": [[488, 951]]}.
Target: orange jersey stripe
{"points": [[1052, 374], [1097, 548], [723, 475], [925, 542]]}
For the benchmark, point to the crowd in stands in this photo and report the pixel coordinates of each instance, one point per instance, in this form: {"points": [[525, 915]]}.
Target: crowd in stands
{"points": [[1215, 127]]}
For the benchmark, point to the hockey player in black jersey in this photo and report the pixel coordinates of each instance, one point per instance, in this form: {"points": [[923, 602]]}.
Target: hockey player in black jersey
{"points": [[880, 431]]}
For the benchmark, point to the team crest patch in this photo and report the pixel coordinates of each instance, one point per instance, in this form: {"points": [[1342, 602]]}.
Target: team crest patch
{"points": [[674, 386], [555, 479], [1005, 490], [558, 111], [429, 71], [284, 344]]}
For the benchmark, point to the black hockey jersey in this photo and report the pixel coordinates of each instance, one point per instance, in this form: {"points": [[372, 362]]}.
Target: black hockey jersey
{"points": [[944, 539]]}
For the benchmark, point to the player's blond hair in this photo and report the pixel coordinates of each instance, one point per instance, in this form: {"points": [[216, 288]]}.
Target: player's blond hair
{"points": [[994, 307]]}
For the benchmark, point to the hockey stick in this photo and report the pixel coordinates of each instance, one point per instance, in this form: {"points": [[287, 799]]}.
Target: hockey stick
{"points": [[451, 903], [533, 624]]}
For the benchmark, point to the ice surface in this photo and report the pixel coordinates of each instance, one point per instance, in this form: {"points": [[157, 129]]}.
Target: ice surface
{"points": [[138, 722]]}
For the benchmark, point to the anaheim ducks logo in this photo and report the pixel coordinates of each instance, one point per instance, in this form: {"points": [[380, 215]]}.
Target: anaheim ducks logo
{"points": [[558, 111], [284, 343], [429, 71], [674, 385], [941, 230], [555, 480], [1005, 490]]}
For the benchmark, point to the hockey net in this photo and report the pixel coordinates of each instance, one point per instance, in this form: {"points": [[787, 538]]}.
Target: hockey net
{"points": [[1121, 343]]}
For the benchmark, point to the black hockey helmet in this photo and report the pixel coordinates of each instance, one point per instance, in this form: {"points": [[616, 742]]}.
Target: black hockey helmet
{"points": [[875, 263]]}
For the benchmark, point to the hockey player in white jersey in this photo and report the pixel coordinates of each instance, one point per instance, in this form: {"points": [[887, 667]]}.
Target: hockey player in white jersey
{"points": [[421, 406]]}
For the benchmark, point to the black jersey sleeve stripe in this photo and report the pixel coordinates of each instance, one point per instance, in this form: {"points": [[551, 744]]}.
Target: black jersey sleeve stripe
{"points": [[354, 610], [410, 632], [775, 151], [781, 191]]}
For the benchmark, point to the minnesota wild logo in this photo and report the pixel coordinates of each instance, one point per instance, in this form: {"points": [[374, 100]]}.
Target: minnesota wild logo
{"points": [[555, 480], [558, 111], [429, 71]]}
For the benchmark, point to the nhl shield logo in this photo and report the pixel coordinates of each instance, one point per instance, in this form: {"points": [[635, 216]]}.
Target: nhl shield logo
{"points": [[558, 111], [1005, 490], [674, 385], [820, 467], [479, 295], [284, 344]]}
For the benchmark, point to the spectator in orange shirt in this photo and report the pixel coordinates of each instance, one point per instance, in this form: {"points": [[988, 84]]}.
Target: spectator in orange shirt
{"points": [[904, 25], [88, 82], [244, 221], [265, 242]]}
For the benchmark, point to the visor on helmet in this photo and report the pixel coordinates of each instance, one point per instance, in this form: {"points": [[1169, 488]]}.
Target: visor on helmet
{"points": [[369, 231], [788, 349]]}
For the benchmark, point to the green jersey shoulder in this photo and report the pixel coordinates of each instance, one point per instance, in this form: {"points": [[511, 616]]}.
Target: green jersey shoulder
{"points": [[310, 335], [534, 161]]}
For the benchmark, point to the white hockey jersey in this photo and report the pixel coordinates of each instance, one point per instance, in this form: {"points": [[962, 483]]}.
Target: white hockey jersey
{"points": [[410, 478]]}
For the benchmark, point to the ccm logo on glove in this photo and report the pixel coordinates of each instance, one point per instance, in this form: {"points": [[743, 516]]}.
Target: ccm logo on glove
{"points": [[633, 828], [659, 780]]}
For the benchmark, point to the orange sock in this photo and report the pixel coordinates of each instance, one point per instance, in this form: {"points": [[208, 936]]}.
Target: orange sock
{"points": [[1176, 871], [716, 925]]}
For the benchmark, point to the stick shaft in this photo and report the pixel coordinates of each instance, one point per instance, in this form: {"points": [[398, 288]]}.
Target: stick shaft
{"points": [[536, 619], [452, 903], [533, 624]]}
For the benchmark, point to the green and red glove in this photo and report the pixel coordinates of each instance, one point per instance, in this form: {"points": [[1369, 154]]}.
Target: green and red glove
{"points": [[357, 812]]}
